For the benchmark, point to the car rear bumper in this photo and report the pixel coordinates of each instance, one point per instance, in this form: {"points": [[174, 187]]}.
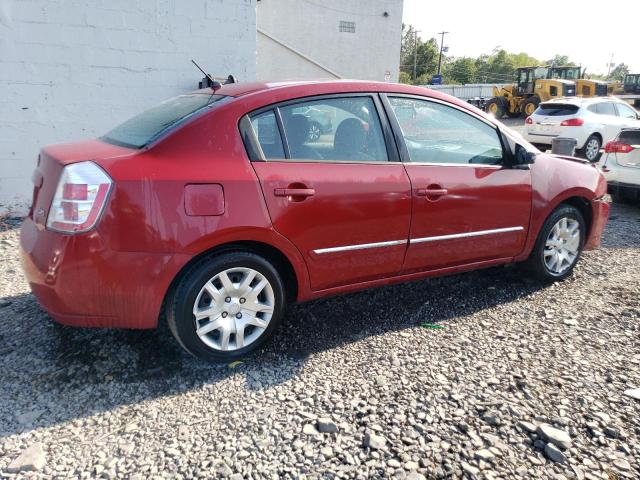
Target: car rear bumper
{"points": [[600, 215], [567, 132], [81, 282]]}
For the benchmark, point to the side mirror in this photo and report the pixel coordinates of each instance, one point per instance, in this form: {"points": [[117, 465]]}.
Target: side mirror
{"points": [[523, 156]]}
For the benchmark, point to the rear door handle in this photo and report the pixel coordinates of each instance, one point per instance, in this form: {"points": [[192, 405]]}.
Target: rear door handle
{"points": [[431, 192], [294, 192]]}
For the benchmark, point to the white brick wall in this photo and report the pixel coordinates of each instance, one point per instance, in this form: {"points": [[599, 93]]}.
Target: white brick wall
{"points": [[311, 29], [72, 69]]}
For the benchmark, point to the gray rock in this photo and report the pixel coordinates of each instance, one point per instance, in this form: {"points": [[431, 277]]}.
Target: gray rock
{"points": [[633, 393], [622, 464], [31, 459], [484, 454], [376, 442], [554, 454], [310, 429], [527, 426], [558, 437], [326, 425]]}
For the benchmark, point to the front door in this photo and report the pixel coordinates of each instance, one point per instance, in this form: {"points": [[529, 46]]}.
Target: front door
{"points": [[333, 188], [468, 207]]}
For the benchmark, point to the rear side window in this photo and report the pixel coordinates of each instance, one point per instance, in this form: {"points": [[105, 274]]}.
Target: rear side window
{"points": [[149, 125], [265, 127], [607, 108], [331, 129], [556, 110]]}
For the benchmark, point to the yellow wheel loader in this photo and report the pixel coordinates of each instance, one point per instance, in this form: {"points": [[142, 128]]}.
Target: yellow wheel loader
{"points": [[584, 86], [533, 87]]}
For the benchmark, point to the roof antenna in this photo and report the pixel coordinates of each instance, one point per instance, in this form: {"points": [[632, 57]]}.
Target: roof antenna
{"points": [[215, 85]]}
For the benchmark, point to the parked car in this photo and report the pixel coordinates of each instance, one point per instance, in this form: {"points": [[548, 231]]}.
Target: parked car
{"points": [[621, 166], [319, 121], [188, 212], [592, 122]]}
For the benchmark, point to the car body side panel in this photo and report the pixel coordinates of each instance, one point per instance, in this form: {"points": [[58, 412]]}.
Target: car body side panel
{"points": [[556, 179]]}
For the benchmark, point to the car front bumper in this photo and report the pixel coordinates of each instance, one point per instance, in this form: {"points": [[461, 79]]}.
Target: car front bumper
{"points": [[600, 215], [81, 282]]}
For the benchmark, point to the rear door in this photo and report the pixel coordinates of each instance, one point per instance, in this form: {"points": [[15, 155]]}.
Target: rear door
{"points": [[340, 194], [468, 206]]}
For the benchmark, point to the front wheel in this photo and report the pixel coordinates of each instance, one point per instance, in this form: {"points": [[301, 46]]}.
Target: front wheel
{"points": [[559, 244], [225, 306]]}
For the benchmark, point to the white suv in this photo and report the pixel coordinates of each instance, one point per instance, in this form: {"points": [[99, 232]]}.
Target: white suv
{"points": [[592, 122], [621, 166]]}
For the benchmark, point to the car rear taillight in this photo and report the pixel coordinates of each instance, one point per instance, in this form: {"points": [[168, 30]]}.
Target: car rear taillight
{"points": [[617, 147], [528, 121], [80, 198], [573, 122]]}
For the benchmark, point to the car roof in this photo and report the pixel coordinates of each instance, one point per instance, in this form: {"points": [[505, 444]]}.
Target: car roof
{"points": [[326, 86]]}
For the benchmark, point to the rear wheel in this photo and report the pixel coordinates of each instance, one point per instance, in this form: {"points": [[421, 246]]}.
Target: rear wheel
{"points": [[591, 149], [530, 105], [559, 244], [496, 107], [225, 306]]}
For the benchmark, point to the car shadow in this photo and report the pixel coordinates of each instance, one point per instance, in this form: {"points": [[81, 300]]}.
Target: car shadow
{"points": [[51, 374]]}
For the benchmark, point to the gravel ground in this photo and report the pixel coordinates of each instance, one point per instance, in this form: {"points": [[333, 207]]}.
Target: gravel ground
{"points": [[523, 380]]}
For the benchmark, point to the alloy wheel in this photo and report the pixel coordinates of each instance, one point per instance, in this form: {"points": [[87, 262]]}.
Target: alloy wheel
{"points": [[562, 246], [314, 132], [592, 149], [233, 309]]}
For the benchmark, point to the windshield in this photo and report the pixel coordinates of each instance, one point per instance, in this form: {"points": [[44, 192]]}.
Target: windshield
{"points": [[149, 125]]}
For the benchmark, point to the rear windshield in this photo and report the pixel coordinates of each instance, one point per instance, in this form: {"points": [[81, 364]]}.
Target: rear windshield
{"points": [[556, 109], [149, 125], [630, 137]]}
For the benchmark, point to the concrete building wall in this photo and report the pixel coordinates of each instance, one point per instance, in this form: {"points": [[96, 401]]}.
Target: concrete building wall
{"points": [[73, 69], [302, 39]]}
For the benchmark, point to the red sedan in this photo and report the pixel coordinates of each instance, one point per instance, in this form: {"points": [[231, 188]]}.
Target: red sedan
{"points": [[217, 208]]}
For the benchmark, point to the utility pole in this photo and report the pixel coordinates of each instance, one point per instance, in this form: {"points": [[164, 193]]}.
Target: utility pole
{"points": [[415, 55], [609, 66], [441, 47]]}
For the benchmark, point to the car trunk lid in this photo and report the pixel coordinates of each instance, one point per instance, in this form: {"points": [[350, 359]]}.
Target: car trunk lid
{"points": [[53, 159]]}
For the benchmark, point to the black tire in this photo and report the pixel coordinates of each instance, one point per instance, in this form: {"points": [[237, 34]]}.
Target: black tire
{"points": [[181, 300], [587, 152], [536, 262], [529, 106], [496, 106]]}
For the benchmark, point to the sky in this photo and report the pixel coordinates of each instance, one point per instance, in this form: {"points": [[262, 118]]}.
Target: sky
{"points": [[589, 32]]}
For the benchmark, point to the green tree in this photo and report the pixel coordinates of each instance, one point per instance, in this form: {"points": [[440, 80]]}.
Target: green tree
{"points": [[418, 59], [461, 70], [561, 61], [619, 72]]}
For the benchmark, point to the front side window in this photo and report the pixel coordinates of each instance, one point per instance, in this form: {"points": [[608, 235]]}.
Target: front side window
{"points": [[436, 133], [626, 112], [606, 108], [334, 129], [151, 124]]}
